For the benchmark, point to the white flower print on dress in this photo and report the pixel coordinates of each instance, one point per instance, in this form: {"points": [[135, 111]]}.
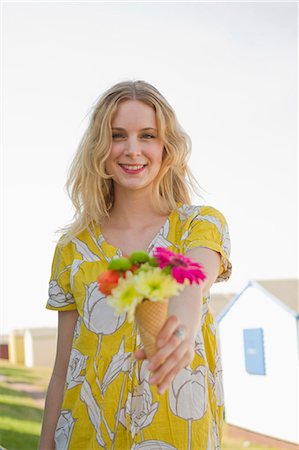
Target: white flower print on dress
{"points": [[77, 327], [98, 243], [64, 430], [204, 312], [209, 444], [100, 240], [212, 328], [74, 269], [87, 255], [225, 243], [140, 408], [120, 363], [144, 373], [186, 211], [93, 410], [218, 382], [226, 240], [188, 393], [77, 364], [215, 436], [58, 297], [84, 250], [160, 240], [199, 347], [188, 396], [153, 444], [211, 219], [98, 316], [138, 340]]}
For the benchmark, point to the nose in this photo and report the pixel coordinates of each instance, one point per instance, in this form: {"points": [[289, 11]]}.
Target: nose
{"points": [[132, 147]]}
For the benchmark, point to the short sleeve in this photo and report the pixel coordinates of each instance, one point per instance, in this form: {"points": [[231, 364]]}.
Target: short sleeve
{"points": [[60, 294], [208, 228]]}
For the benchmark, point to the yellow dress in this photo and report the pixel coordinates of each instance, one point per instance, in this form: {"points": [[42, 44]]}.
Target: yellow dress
{"points": [[108, 401]]}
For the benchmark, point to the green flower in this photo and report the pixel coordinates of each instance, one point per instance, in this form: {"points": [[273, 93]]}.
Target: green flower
{"points": [[120, 264], [124, 297], [156, 285], [139, 257]]}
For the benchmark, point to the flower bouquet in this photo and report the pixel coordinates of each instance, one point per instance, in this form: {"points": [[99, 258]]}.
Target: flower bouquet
{"points": [[140, 285]]}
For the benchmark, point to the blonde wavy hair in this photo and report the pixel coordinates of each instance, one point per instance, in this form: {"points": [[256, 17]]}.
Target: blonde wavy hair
{"points": [[91, 188]]}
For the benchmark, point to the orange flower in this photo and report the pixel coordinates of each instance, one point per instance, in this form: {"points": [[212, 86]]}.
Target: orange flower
{"points": [[108, 280]]}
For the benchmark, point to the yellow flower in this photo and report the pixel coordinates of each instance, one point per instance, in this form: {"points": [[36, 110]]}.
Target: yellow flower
{"points": [[156, 285], [124, 297]]}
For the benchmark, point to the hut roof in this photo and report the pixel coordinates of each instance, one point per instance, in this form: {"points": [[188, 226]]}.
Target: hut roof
{"points": [[285, 290]]}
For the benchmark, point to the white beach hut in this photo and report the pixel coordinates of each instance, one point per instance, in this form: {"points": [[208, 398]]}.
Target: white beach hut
{"points": [[40, 347], [258, 334]]}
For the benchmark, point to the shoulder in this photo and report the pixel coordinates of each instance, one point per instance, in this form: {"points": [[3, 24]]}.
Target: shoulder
{"points": [[70, 245], [205, 226], [190, 213]]}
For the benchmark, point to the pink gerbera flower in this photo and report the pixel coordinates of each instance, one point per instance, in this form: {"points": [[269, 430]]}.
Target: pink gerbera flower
{"points": [[182, 268]]}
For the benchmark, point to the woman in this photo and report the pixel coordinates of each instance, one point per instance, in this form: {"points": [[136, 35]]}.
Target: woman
{"points": [[129, 185]]}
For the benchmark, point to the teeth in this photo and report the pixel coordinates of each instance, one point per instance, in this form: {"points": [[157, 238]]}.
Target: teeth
{"points": [[132, 167]]}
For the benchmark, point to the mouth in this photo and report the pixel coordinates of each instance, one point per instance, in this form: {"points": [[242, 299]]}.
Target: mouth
{"points": [[133, 168]]}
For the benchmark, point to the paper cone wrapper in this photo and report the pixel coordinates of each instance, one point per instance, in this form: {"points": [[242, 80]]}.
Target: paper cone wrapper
{"points": [[150, 317]]}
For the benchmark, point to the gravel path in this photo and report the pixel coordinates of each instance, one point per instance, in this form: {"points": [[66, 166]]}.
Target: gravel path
{"points": [[37, 393]]}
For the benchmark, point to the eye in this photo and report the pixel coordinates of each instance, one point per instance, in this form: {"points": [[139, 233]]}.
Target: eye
{"points": [[148, 136], [118, 135]]}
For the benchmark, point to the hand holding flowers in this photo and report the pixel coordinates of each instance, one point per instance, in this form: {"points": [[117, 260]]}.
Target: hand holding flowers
{"points": [[141, 285], [173, 352]]}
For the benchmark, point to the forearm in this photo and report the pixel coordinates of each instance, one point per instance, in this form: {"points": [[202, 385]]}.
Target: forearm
{"points": [[188, 307], [51, 412]]}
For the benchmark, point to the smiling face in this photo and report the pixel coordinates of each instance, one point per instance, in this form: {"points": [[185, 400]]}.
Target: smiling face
{"points": [[136, 152]]}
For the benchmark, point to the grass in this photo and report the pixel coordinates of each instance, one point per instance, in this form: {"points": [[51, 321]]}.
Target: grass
{"points": [[21, 416], [20, 374]]}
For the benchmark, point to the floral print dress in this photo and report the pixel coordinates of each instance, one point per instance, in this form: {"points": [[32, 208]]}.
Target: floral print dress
{"points": [[108, 402]]}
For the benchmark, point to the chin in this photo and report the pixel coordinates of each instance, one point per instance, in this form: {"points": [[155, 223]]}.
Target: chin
{"points": [[131, 186]]}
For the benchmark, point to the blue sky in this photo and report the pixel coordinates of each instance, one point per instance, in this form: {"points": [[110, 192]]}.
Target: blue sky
{"points": [[229, 70]]}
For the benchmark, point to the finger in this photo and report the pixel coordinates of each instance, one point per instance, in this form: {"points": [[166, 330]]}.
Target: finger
{"points": [[139, 354], [165, 383], [162, 354], [169, 327], [171, 364]]}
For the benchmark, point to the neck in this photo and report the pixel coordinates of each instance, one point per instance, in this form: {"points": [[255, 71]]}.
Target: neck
{"points": [[132, 208]]}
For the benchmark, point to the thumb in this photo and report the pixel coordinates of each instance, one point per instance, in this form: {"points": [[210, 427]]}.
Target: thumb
{"points": [[140, 354]]}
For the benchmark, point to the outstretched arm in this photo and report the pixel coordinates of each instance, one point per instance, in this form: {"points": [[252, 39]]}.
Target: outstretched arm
{"points": [[183, 310]]}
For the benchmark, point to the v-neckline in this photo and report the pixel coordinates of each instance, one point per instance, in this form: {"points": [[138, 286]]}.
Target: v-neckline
{"points": [[119, 250]]}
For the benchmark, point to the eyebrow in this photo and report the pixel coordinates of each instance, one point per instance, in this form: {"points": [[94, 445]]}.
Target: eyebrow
{"points": [[142, 129]]}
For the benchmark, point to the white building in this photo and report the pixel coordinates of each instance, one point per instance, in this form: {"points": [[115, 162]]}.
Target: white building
{"points": [[40, 347], [33, 347], [258, 333]]}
